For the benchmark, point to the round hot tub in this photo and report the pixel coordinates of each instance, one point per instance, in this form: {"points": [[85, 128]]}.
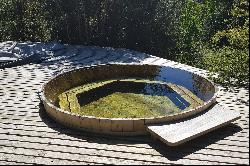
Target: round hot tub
{"points": [[122, 99]]}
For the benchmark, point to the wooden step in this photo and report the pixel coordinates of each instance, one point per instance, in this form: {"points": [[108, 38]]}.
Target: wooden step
{"points": [[176, 133]]}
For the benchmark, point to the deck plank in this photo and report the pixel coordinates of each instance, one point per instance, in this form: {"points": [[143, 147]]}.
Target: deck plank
{"points": [[28, 136]]}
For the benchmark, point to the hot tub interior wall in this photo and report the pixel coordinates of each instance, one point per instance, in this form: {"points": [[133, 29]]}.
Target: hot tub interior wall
{"points": [[79, 77]]}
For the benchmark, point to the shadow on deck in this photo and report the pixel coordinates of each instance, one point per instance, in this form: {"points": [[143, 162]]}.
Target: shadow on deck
{"points": [[171, 153]]}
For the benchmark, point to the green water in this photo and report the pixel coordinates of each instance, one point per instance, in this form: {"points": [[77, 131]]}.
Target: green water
{"points": [[126, 98]]}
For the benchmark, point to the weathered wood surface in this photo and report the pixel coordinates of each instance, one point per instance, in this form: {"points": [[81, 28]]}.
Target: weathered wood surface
{"points": [[176, 133], [29, 136]]}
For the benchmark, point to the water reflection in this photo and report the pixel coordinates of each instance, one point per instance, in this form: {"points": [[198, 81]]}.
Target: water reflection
{"points": [[152, 89], [196, 84]]}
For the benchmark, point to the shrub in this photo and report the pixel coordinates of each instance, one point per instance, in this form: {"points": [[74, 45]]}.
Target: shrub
{"points": [[230, 64], [199, 20], [201, 33], [146, 26], [229, 56]]}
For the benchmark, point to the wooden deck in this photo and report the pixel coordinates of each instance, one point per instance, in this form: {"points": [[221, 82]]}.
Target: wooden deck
{"points": [[29, 136]]}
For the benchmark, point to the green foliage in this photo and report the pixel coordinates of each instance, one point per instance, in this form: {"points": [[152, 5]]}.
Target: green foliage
{"points": [[198, 21], [230, 54], [235, 37], [214, 35], [236, 33], [188, 31], [24, 20], [9, 19], [230, 64], [141, 25], [35, 25]]}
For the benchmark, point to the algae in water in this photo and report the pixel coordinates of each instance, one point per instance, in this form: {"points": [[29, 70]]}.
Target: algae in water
{"points": [[125, 98]]}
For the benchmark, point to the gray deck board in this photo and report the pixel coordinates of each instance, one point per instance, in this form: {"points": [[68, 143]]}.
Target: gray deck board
{"points": [[29, 136]]}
